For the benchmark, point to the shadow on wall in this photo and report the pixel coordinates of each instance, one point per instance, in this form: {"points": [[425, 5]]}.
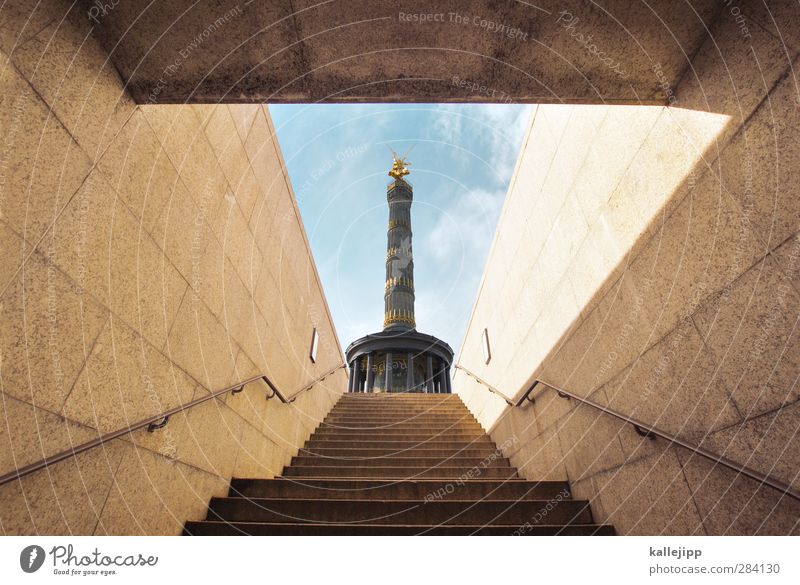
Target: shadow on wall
{"points": [[148, 256], [648, 258]]}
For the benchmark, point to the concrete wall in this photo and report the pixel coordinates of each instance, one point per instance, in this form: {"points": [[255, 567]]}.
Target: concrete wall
{"points": [[648, 258], [148, 255], [354, 51]]}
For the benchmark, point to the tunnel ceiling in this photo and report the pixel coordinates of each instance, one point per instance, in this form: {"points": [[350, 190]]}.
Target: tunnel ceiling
{"points": [[353, 51]]}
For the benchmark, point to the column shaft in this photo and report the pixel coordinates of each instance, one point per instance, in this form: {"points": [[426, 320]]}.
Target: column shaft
{"points": [[370, 374], [442, 380], [388, 384], [352, 382], [429, 374], [409, 371], [359, 376]]}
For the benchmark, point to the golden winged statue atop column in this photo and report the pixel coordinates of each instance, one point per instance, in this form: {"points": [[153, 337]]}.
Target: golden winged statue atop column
{"points": [[399, 170]]}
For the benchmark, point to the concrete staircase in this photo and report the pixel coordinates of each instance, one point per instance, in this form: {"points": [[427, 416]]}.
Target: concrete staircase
{"points": [[395, 464]]}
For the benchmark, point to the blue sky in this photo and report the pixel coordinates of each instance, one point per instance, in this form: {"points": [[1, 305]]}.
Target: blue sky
{"points": [[462, 160]]}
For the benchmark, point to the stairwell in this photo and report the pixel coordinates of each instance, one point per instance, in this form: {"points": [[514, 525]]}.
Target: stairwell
{"points": [[398, 464]]}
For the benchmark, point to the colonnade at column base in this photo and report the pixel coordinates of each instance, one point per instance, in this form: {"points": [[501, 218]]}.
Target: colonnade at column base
{"points": [[400, 362]]}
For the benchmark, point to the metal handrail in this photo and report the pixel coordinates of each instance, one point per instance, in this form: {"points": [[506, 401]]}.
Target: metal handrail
{"points": [[642, 429], [495, 390], [159, 421]]}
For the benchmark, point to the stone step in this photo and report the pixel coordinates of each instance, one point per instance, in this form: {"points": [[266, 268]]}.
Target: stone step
{"points": [[415, 451], [407, 435], [402, 461], [415, 438], [390, 434], [393, 512], [410, 420], [405, 405], [399, 409], [398, 444], [357, 489], [293, 529], [388, 424], [397, 413], [421, 414], [420, 409], [398, 396], [407, 426], [402, 404], [404, 472], [381, 422], [388, 406], [441, 404], [393, 416]]}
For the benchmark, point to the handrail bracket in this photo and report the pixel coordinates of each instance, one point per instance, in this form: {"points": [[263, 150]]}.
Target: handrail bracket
{"points": [[646, 433], [154, 426]]}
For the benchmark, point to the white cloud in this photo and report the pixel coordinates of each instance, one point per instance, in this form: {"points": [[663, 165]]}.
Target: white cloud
{"points": [[492, 128], [448, 125], [465, 228]]}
